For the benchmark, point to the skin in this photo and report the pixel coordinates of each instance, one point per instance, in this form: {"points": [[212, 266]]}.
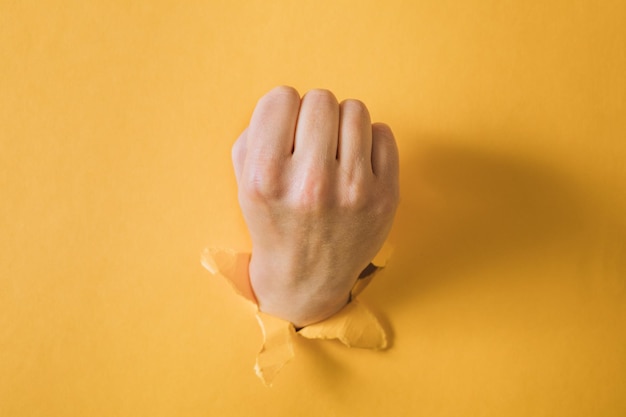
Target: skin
{"points": [[318, 187]]}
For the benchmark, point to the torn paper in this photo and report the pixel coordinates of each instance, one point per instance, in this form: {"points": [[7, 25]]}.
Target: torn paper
{"points": [[354, 325]]}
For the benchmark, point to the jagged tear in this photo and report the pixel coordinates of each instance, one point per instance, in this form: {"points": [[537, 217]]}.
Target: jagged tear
{"points": [[355, 325]]}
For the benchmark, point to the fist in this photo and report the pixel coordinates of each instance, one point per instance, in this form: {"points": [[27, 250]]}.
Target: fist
{"points": [[318, 187]]}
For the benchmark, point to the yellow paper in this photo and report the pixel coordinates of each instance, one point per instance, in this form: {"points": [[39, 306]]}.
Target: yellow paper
{"points": [[355, 326], [506, 294], [277, 347]]}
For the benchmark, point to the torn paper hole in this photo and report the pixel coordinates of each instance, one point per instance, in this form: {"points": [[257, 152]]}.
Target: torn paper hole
{"points": [[355, 325]]}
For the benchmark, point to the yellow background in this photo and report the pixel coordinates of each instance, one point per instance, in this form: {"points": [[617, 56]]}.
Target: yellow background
{"points": [[506, 294]]}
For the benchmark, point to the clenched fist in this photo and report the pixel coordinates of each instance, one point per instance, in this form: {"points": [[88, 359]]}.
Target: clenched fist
{"points": [[318, 187]]}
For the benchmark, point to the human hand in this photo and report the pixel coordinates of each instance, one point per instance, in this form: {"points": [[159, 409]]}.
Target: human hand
{"points": [[318, 187]]}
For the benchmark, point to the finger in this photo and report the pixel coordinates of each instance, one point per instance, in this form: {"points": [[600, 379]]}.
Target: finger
{"points": [[355, 136], [318, 124], [238, 154], [385, 159], [271, 130]]}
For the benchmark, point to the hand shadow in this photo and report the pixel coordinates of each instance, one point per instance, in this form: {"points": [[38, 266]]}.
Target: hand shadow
{"points": [[463, 207]]}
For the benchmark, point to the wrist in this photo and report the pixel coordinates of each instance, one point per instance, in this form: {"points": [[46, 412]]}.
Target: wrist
{"points": [[300, 297]]}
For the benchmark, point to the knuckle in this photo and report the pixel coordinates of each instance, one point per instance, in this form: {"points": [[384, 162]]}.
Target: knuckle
{"points": [[237, 150], [262, 183], [312, 193], [355, 196], [388, 203], [377, 206], [364, 197]]}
